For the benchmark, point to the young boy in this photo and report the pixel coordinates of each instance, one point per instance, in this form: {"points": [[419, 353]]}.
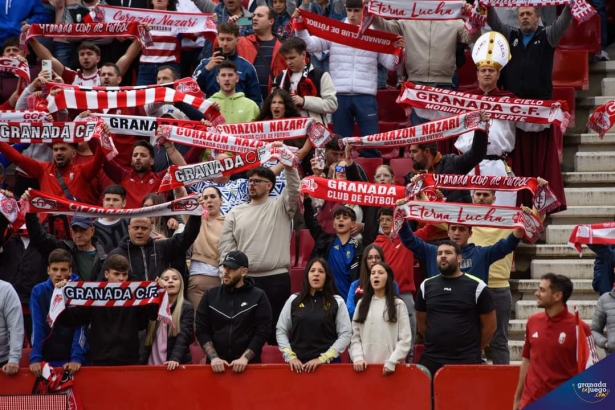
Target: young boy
{"points": [[64, 346], [282, 28], [341, 251]]}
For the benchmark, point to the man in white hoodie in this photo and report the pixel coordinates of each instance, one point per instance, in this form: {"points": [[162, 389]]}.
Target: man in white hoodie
{"points": [[355, 76]]}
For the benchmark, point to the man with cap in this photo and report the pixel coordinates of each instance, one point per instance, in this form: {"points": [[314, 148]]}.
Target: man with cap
{"points": [[88, 255], [233, 320]]}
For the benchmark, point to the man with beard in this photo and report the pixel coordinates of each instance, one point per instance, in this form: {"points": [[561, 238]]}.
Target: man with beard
{"points": [[140, 180], [454, 312], [262, 230], [427, 159], [233, 321]]}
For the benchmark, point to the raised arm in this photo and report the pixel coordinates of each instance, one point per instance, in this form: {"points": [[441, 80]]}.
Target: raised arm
{"points": [[291, 193], [206, 6], [42, 241], [43, 52], [228, 242], [420, 248], [32, 167], [126, 60], [556, 31], [496, 25], [466, 162]]}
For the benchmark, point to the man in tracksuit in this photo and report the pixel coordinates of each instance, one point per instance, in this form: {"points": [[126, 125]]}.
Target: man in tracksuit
{"points": [[233, 320]]}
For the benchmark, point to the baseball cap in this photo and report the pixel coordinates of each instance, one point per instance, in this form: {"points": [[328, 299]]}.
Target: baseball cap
{"points": [[235, 260], [82, 222], [171, 111]]}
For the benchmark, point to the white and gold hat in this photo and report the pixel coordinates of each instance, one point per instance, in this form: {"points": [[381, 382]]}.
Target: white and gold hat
{"points": [[491, 50]]}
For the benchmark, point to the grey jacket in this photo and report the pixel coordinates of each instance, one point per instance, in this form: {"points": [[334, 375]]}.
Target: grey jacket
{"points": [[11, 324], [604, 316]]}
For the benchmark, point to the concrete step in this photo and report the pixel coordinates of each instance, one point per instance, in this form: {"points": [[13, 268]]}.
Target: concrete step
{"points": [[594, 161], [605, 68], [588, 178], [588, 139], [590, 196], [551, 251], [593, 102], [573, 268], [575, 215], [527, 287], [526, 308], [558, 234]]}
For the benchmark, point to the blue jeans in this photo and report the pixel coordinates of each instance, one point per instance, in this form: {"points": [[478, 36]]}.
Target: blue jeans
{"points": [[600, 6], [502, 300], [63, 52], [147, 72], [359, 108]]}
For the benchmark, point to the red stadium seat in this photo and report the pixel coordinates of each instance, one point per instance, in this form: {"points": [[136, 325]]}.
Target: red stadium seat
{"points": [[467, 73], [306, 245], [566, 94], [401, 167], [198, 356], [584, 36], [296, 279], [370, 165], [418, 352], [25, 357], [388, 109], [293, 249], [571, 69], [345, 357], [271, 355]]}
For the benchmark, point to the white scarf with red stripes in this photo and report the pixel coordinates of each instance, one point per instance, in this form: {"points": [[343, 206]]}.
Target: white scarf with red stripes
{"points": [[17, 67], [594, 234], [106, 294], [24, 116], [50, 132]]}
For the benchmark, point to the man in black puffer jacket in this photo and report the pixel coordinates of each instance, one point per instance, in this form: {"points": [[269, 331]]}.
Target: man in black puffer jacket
{"points": [[233, 321], [427, 159]]}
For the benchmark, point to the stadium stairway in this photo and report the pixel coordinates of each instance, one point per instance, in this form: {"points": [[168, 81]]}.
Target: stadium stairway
{"points": [[588, 167]]}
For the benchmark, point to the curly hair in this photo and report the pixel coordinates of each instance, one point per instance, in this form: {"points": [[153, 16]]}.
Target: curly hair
{"points": [[290, 110]]}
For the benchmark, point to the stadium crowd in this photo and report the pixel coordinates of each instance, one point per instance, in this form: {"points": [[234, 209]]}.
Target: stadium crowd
{"points": [[227, 272]]}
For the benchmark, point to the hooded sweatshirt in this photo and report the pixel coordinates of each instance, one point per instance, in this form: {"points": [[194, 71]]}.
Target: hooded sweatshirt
{"points": [[237, 108], [11, 324]]}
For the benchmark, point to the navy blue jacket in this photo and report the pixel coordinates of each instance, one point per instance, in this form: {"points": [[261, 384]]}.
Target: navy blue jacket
{"points": [[603, 268], [64, 344], [476, 259]]}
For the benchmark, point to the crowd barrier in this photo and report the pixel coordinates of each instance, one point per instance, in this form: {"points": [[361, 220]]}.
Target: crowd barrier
{"points": [[259, 387]]}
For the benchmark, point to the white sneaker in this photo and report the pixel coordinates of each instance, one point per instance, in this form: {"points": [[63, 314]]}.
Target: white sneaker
{"points": [[603, 56]]}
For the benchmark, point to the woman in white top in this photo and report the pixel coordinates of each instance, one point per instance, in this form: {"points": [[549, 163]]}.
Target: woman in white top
{"points": [[380, 326]]}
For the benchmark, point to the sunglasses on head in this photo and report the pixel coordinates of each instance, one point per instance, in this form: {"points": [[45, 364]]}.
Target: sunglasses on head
{"points": [[340, 168]]}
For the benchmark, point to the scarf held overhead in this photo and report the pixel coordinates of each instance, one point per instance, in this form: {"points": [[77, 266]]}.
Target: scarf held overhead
{"points": [[503, 217], [50, 132], [594, 234], [98, 100], [544, 199], [581, 10], [17, 67], [436, 130], [602, 119], [185, 175], [135, 125], [426, 98], [88, 30], [109, 294], [185, 85], [44, 203], [24, 116], [348, 34], [352, 192]]}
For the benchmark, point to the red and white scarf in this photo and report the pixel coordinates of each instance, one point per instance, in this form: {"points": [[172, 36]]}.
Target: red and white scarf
{"points": [[594, 234], [20, 68], [51, 382], [581, 10], [50, 132], [278, 130], [185, 175], [41, 202], [10, 209], [106, 294], [88, 30], [99, 100], [437, 130], [352, 192], [544, 199], [602, 119], [185, 85], [24, 116], [135, 125], [171, 22], [471, 215], [348, 34], [426, 10], [502, 108]]}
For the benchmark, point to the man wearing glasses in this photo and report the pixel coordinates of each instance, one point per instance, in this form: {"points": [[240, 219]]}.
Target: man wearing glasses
{"points": [[261, 229]]}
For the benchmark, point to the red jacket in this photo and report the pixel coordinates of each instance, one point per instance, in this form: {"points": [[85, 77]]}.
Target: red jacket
{"points": [[400, 259], [247, 47], [136, 187], [78, 178]]}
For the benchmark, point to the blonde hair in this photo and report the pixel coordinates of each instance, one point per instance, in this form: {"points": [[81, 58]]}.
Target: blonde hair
{"points": [[175, 316]]}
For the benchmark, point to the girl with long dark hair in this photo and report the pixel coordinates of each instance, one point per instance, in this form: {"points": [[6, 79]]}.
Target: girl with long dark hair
{"points": [[314, 326], [170, 345], [278, 105], [372, 254], [380, 326]]}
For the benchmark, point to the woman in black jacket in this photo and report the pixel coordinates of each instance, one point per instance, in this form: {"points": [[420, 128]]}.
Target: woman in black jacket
{"points": [[170, 345]]}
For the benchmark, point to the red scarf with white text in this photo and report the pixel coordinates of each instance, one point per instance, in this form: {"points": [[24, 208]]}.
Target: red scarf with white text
{"points": [[436, 130], [502, 108], [544, 199], [602, 119], [51, 382], [471, 215], [352, 192], [581, 10], [594, 234], [185, 175], [24, 116], [17, 67], [13, 132], [88, 30]]}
